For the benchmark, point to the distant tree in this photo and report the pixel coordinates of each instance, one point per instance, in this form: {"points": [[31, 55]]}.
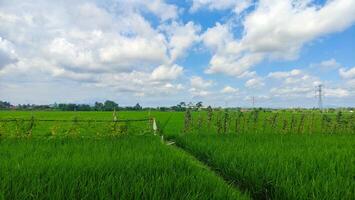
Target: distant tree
{"points": [[5, 105], [163, 109], [137, 107], [190, 105], [83, 107], [182, 104], [199, 105], [99, 106], [110, 105]]}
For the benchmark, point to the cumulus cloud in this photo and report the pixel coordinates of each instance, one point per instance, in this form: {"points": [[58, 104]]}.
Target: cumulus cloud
{"points": [[276, 30], [86, 42], [327, 65], [236, 6], [133, 47], [181, 37], [336, 92], [198, 82], [7, 53], [165, 73], [286, 74], [255, 83], [347, 73], [199, 86], [293, 83], [229, 90]]}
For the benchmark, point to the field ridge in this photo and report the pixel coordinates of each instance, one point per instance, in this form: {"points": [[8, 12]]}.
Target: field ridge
{"points": [[172, 143]]}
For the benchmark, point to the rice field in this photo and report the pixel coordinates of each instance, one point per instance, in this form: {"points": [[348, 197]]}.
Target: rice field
{"points": [[272, 166], [219, 154], [124, 167]]}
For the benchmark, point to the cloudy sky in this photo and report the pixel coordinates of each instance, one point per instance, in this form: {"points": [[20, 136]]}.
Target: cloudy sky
{"points": [[161, 52]]}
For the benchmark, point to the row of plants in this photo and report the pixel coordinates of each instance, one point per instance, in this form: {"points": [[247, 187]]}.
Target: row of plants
{"points": [[75, 127], [255, 121]]}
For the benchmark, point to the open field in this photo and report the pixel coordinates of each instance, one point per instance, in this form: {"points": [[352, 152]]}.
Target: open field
{"points": [[267, 154]]}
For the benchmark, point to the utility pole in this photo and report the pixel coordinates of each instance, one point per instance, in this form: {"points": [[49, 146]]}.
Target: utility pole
{"points": [[319, 94], [253, 101]]}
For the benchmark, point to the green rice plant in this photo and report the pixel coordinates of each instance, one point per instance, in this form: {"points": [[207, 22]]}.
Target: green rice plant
{"points": [[284, 126], [265, 123], [74, 128], [187, 120], [246, 123], [255, 120], [238, 122], [55, 129], [326, 124], [311, 124], [274, 122], [209, 117], [301, 124], [293, 123], [351, 124], [199, 122], [225, 121], [121, 167], [275, 166]]}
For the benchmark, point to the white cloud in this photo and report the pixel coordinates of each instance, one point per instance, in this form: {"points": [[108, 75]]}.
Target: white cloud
{"points": [[133, 47], [200, 83], [81, 41], [347, 73], [199, 87], [181, 37], [327, 65], [276, 30], [286, 74], [237, 6], [159, 8], [199, 92], [293, 83], [254, 83], [336, 92], [229, 90], [7, 53], [165, 73], [289, 91]]}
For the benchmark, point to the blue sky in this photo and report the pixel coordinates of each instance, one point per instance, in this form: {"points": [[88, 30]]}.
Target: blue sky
{"points": [[162, 52]]}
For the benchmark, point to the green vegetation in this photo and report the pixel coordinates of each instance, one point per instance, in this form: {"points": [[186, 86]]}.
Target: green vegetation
{"points": [[280, 166], [285, 154], [127, 167], [224, 121]]}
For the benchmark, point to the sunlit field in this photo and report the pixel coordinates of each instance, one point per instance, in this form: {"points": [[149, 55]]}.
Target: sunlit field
{"points": [[219, 154]]}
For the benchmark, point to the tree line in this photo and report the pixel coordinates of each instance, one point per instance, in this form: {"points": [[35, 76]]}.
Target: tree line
{"points": [[107, 105]]}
